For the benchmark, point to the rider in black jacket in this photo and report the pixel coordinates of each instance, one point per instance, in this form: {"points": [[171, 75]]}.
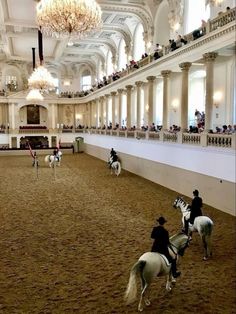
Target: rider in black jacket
{"points": [[161, 244], [195, 210]]}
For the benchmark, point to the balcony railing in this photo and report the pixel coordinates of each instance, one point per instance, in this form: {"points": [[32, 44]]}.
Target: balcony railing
{"points": [[212, 25], [196, 139]]}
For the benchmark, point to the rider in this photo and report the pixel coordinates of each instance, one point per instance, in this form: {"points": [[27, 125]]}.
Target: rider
{"points": [[35, 159], [161, 244], [113, 157], [55, 154], [112, 152], [195, 210]]}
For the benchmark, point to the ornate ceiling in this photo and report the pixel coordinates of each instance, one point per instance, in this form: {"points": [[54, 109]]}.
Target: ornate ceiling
{"points": [[18, 32]]}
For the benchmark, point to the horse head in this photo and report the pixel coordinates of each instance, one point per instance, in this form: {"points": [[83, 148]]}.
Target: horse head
{"points": [[180, 203], [177, 202], [180, 242]]}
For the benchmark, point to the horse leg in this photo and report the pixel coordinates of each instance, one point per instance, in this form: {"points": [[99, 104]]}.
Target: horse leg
{"points": [[168, 281], [208, 245], [144, 287], [205, 247]]}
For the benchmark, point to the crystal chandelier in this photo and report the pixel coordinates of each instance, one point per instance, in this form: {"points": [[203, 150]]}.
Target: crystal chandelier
{"points": [[34, 96], [41, 79], [68, 18]]}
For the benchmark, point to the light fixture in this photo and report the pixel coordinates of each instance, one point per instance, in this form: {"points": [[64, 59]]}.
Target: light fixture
{"points": [[175, 105], [34, 96], [68, 18], [41, 79], [217, 98]]}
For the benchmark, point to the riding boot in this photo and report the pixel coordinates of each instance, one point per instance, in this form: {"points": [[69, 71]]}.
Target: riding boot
{"points": [[174, 271]]}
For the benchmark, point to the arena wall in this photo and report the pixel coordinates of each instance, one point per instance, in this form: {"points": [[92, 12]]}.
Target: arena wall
{"points": [[212, 172]]}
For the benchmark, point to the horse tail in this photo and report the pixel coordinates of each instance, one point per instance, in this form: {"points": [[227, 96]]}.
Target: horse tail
{"points": [[131, 290], [118, 168], [46, 159], [206, 237]]}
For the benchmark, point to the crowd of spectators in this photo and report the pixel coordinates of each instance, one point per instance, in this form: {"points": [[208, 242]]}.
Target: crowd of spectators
{"points": [[225, 129], [159, 51]]}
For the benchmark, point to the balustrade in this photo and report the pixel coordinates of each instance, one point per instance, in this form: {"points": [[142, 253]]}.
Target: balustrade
{"points": [[191, 138], [219, 140]]}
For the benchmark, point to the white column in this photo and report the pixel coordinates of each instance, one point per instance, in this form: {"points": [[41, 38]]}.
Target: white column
{"points": [[165, 75], [128, 88], [120, 93], [185, 66], [138, 90], [113, 99], [107, 109], [209, 59], [150, 99]]}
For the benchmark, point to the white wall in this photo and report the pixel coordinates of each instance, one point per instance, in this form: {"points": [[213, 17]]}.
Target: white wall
{"points": [[218, 163]]}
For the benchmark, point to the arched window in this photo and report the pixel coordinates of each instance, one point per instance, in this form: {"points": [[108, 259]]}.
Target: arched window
{"points": [[122, 59], [86, 80], [161, 24], [11, 83], [139, 44], [195, 12]]}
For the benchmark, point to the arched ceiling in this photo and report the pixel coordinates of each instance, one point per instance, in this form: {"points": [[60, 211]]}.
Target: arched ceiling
{"points": [[18, 32]]}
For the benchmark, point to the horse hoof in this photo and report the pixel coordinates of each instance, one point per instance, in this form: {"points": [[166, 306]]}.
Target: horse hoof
{"points": [[205, 258], [140, 309]]}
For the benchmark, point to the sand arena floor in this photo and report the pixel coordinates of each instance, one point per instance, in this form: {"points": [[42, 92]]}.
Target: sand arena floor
{"points": [[69, 240]]}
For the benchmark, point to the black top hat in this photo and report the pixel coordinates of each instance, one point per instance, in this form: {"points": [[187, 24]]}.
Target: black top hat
{"points": [[195, 192], [161, 220]]}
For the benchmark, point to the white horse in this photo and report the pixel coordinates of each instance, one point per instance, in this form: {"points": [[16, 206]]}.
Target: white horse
{"points": [[151, 265], [115, 166], [54, 159], [202, 224]]}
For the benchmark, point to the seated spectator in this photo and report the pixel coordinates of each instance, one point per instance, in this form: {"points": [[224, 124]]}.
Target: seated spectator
{"points": [[156, 55], [172, 45], [224, 128], [230, 129], [144, 55], [196, 34], [180, 41]]}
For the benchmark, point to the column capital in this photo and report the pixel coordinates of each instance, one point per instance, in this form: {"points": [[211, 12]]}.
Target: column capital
{"points": [[101, 98], [139, 83], [185, 66], [165, 73], [113, 93], [210, 56], [129, 87], [120, 90], [151, 78], [107, 95]]}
